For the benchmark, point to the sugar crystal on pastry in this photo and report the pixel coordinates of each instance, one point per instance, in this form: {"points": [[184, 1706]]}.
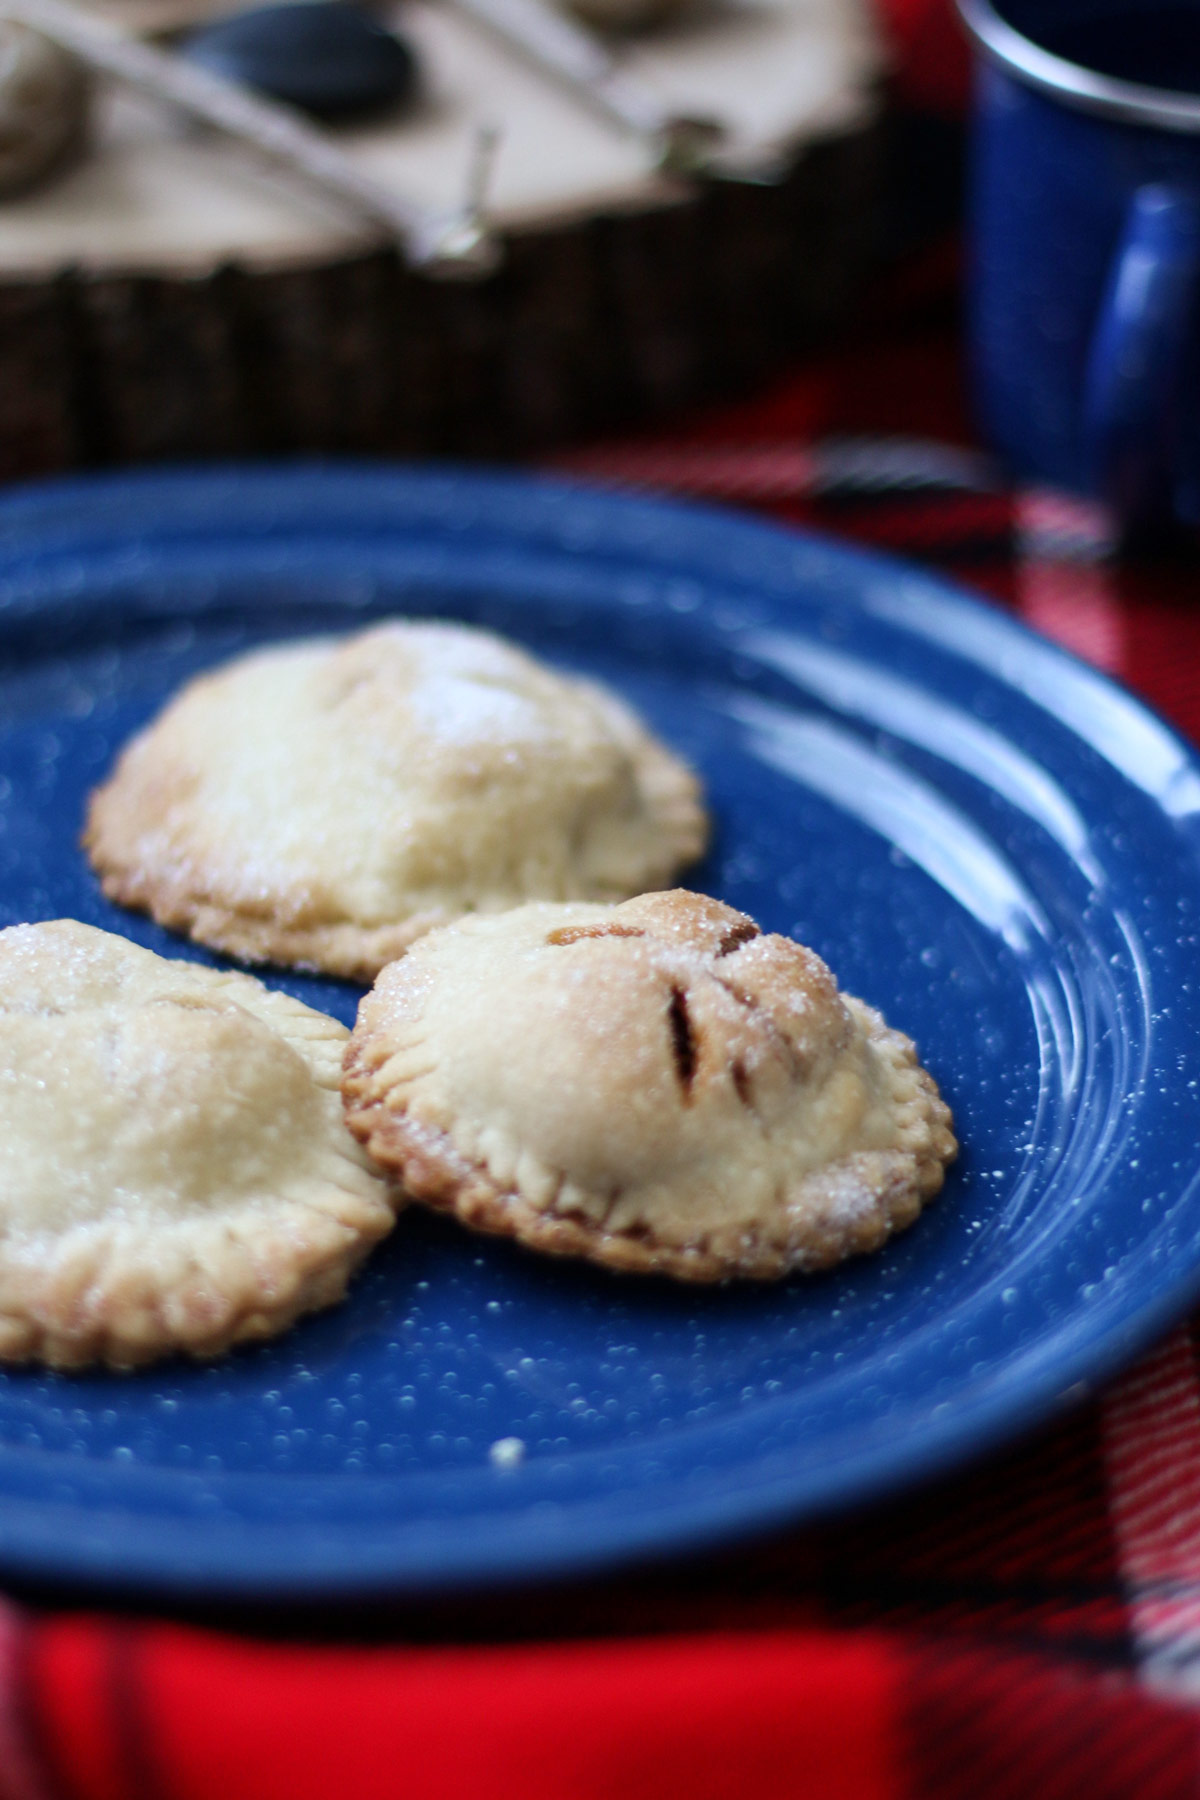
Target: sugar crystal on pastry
{"points": [[655, 1085], [325, 802], [174, 1170]]}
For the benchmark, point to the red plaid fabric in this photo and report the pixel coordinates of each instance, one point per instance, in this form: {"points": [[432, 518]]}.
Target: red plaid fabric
{"points": [[1027, 1631]]}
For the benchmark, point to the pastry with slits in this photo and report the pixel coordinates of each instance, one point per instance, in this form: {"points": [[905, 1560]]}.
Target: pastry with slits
{"points": [[657, 1086]]}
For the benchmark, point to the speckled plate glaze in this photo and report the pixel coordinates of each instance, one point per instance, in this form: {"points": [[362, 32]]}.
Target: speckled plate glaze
{"points": [[984, 838]]}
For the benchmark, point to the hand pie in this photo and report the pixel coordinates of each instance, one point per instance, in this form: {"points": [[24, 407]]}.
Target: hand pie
{"points": [[656, 1086], [174, 1169], [325, 803]]}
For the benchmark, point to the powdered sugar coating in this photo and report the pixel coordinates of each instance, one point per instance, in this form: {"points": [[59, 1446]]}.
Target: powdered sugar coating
{"points": [[656, 1085], [326, 802], [174, 1173]]}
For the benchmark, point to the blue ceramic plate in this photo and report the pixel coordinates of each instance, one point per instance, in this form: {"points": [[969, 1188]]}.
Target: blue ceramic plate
{"points": [[984, 838]]}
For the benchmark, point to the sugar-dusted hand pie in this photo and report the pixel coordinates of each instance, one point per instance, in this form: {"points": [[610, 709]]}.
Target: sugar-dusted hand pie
{"points": [[327, 802], [655, 1085], [175, 1173]]}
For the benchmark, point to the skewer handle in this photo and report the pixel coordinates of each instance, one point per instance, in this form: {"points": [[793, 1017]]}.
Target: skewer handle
{"points": [[579, 61], [449, 245]]}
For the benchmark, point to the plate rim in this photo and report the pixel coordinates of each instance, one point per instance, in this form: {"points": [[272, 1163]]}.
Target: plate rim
{"points": [[1117, 1331]]}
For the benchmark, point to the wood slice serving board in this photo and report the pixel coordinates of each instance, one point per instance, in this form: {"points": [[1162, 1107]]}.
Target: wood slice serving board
{"points": [[168, 297]]}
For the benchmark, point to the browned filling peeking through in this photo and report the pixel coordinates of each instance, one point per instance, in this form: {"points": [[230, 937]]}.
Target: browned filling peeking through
{"points": [[683, 1041], [572, 934]]}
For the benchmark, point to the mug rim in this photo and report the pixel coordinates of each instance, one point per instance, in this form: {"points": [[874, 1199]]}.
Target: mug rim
{"points": [[1074, 83]]}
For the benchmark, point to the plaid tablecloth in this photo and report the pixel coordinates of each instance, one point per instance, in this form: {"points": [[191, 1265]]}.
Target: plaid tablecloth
{"points": [[1031, 1629]]}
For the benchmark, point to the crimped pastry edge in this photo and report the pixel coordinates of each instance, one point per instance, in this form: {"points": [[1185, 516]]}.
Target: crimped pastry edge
{"points": [[429, 1169], [93, 1295], [70, 1325], [347, 951], [346, 948]]}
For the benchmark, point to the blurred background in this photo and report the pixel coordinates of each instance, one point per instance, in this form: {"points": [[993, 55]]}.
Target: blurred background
{"points": [[168, 292]]}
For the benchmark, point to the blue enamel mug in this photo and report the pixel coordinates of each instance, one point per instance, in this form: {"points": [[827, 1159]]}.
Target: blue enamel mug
{"points": [[1084, 287]]}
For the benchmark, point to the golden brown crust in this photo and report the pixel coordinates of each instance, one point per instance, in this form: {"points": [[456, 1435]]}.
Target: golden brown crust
{"points": [[325, 804], [174, 1171], [696, 1032], [351, 952]]}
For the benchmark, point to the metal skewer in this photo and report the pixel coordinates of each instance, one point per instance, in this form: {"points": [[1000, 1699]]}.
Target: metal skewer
{"points": [[579, 61], [454, 245]]}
